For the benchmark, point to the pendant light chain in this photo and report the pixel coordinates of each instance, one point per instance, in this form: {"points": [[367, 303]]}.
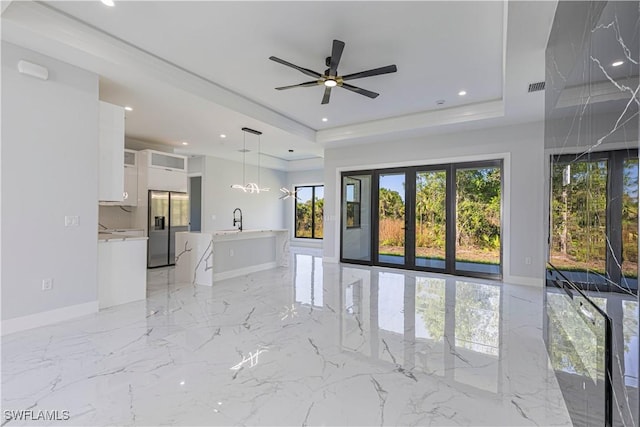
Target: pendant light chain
{"points": [[244, 156]]}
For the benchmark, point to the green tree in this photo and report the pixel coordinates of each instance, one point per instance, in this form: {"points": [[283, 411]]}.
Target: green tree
{"points": [[391, 204]]}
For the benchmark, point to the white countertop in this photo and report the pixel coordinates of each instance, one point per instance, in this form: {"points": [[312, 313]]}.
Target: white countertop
{"points": [[230, 235], [108, 237], [234, 231]]}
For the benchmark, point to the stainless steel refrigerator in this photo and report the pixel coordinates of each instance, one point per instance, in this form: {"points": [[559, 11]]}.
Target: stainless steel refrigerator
{"points": [[168, 214]]}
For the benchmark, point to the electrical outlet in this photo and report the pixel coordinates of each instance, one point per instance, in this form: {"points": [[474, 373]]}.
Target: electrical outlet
{"points": [[71, 221], [47, 284], [230, 252], [527, 260]]}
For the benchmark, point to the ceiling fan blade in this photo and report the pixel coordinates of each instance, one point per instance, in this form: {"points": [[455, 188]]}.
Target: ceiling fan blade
{"points": [[302, 70], [336, 54], [327, 94], [305, 84], [360, 90], [375, 72]]}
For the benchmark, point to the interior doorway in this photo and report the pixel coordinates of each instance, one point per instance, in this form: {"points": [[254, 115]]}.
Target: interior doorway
{"points": [[195, 198]]}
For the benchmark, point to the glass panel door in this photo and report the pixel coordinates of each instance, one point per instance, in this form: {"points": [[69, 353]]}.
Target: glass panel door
{"points": [[579, 219], [356, 217], [478, 219], [630, 224], [431, 218], [392, 221]]}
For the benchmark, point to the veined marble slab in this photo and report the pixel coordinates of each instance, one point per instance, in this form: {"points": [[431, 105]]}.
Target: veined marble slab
{"points": [[312, 344], [205, 257]]}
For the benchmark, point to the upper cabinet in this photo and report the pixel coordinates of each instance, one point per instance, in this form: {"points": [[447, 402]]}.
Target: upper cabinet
{"points": [[164, 171], [130, 194], [130, 178], [167, 161], [111, 151]]}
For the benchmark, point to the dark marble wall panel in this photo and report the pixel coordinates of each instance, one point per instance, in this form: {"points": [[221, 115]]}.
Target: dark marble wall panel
{"points": [[592, 124]]}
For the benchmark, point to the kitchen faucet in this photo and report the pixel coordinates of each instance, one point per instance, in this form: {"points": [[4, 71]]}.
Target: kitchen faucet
{"points": [[237, 221]]}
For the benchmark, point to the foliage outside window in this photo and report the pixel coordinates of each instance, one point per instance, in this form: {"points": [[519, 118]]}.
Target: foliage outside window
{"points": [[594, 215], [309, 210], [352, 197]]}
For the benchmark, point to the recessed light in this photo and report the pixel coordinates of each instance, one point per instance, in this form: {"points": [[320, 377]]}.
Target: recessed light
{"points": [[182, 383], [185, 143], [109, 3], [324, 119], [128, 108], [222, 135], [440, 102], [462, 93], [617, 63]]}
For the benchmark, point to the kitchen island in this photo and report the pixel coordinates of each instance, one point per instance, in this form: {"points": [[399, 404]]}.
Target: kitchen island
{"points": [[206, 257]]}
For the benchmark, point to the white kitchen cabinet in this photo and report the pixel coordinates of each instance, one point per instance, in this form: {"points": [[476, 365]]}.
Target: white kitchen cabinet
{"points": [[130, 194], [164, 171], [167, 161], [122, 271], [111, 149], [130, 178], [167, 180]]}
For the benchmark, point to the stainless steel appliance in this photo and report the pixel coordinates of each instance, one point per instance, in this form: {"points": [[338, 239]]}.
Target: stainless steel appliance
{"points": [[168, 214]]}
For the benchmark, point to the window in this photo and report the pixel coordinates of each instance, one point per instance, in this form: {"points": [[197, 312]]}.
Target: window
{"points": [[309, 211], [352, 197], [594, 218]]}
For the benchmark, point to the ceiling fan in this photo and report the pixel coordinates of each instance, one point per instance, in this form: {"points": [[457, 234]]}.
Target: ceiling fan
{"points": [[331, 79]]}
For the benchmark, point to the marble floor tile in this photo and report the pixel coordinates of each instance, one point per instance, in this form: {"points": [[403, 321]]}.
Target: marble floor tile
{"points": [[309, 344]]}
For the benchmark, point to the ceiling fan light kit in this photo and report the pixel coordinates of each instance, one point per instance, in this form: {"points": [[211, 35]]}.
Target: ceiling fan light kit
{"points": [[331, 79]]}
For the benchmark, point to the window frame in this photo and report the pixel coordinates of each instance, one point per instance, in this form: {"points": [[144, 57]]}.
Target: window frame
{"points": [[354, 204], [313, 211]]}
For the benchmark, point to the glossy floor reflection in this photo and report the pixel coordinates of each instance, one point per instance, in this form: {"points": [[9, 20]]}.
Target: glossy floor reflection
{"points": [[311, 344], [575, 341]]}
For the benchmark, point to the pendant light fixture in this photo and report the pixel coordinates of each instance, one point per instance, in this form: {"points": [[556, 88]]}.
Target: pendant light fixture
{"points": [[249, 187]]}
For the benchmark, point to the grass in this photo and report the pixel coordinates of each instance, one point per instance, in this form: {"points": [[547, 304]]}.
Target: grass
{"points": [[392, 243], [569, 263]]}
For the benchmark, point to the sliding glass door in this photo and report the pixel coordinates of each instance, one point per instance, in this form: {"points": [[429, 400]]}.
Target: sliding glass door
{"points": [[594, 219], [392, 218], [478, 200], [431, 218], [444, 218], [356, 218]]}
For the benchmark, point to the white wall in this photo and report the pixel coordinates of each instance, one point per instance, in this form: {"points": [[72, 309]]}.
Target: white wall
{"points": [[298, 178], [196, 164], [49, 170], [522, 148], [262, 210]]}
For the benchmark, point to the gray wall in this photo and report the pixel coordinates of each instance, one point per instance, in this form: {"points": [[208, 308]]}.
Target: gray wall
{"points": [[524, 180], [49, 170], [262, 210]]}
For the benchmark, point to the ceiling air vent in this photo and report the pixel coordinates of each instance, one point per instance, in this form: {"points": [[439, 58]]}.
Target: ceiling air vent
{"points": [[535, 87]]}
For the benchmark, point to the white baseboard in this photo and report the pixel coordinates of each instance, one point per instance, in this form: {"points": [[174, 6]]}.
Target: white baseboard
{"points": [[45, 318], [526, 281], [242, 271]]}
